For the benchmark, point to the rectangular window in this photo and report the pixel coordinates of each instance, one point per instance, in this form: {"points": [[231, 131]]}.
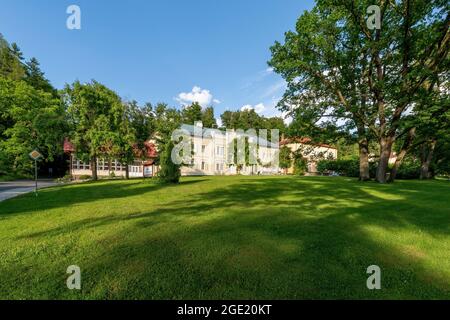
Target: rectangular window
{"points": [[219, 151], [203, 148], [203, 166]]}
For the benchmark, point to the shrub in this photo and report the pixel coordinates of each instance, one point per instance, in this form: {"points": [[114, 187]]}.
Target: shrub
{"points": [[300, 166], [85, 177], [349, 168], [409, 169], [67, 178], [170, 172]]}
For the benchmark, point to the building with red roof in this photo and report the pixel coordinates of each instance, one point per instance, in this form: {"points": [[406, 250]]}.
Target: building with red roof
{"points": [[144, 164]]}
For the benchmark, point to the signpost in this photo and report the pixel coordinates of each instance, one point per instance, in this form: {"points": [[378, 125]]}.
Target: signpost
{"points": [[35, 155]]}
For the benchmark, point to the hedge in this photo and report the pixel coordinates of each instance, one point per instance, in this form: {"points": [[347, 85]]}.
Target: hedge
{"points": [[350, 168]]}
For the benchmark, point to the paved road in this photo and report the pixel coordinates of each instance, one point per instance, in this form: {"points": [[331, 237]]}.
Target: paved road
{"points": [[12, 189]]}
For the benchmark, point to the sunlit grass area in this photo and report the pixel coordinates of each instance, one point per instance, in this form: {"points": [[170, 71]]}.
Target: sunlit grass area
{"points": [[228, 237]]}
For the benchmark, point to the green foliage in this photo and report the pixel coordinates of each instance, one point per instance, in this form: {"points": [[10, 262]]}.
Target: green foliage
{"points": [[97, 122], [32, 119], [169, 172], [300, 164], [285, 157], [348, 168], [249, 119], [66, 179], [11, 66], [208, 119], [166, 121], [247, 154], [410, 169], [31, 115], [193, 113], [338, 69], [36, 78]]}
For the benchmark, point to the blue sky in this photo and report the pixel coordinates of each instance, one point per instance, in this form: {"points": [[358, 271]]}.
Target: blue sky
{"points": [[215, 51]]}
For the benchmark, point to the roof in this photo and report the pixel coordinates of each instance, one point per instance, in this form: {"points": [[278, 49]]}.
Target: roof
{"points": [[305, 140], [150, 151], [68, 146]]}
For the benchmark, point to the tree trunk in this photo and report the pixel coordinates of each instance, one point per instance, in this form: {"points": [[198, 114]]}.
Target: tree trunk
{"points": [[94, 168], [402, 153], [426, 161], [385, 154], [364, 174], [127, 172]]}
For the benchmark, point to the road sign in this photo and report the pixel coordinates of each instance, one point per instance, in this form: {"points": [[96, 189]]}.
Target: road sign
{"points": [[35, 155]]}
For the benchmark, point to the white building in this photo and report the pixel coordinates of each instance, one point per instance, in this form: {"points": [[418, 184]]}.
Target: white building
{"points": [[311, 152], [211, 154]]}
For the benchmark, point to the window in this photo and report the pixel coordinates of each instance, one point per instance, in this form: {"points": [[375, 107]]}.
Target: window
{"points": [[219, 151], [100, 164], [203, 166], [203, 148], [105, 165]]}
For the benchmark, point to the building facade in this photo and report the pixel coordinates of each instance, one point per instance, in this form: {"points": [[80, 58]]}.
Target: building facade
{"points": [[142, 166], [311, 152], [210, 154]]}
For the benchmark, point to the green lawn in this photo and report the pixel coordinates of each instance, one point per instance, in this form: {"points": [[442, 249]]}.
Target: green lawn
{"points": [[228, 237]]}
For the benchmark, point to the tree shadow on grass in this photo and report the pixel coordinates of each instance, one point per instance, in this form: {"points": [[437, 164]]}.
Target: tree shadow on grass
{"points": [[268, 247], [268, 239], [69, 195]]}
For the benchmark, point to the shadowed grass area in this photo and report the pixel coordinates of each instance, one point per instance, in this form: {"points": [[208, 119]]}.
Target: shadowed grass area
{"points": [[228, 237]]}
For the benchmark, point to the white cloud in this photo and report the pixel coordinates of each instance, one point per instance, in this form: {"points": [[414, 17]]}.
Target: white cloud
{"points": [[202, 96], [259, 108], [247, 107]]}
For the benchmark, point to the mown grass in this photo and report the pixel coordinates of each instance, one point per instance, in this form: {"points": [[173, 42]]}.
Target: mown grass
{"points": [[228, 238]]}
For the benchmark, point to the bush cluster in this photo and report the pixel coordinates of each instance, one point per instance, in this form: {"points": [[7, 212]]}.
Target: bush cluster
{"points": [[350, 168]]}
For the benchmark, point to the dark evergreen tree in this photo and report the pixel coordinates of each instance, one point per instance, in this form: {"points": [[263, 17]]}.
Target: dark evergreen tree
{"points": [[169, 172]]}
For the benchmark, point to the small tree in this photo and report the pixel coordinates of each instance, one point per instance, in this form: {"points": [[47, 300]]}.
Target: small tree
{"points": [[285, 158], [247, 153], [300, 164], [170, 172]]}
